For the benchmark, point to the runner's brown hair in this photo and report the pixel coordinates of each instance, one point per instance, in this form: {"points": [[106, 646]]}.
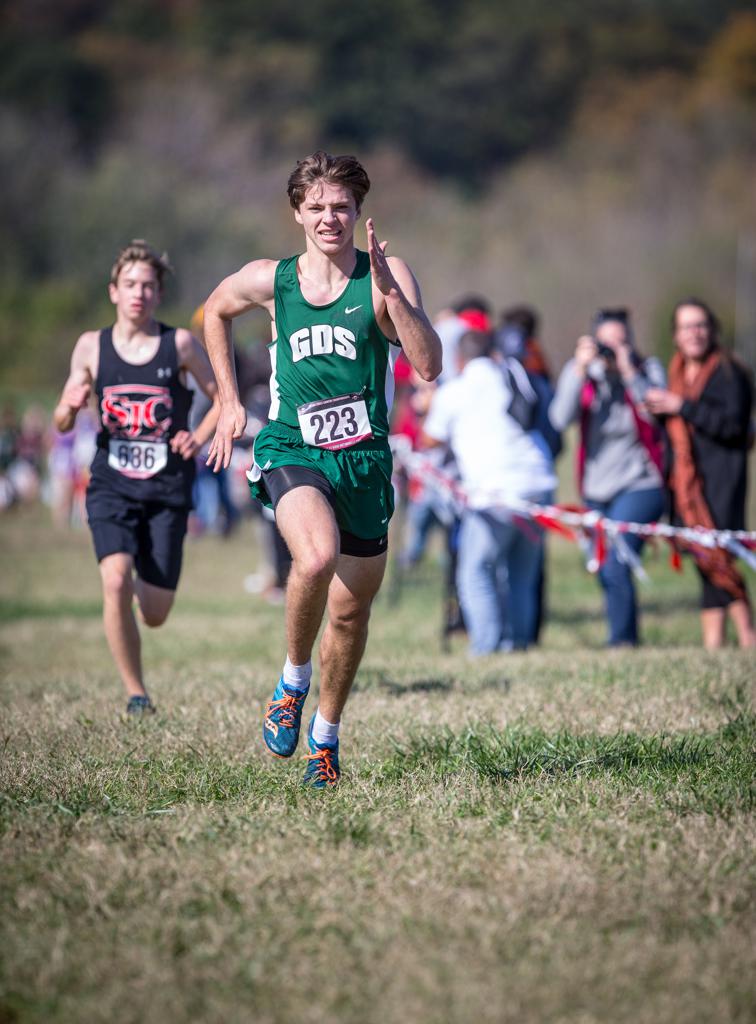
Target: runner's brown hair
{"points": [[139, 251], [335, 170]]}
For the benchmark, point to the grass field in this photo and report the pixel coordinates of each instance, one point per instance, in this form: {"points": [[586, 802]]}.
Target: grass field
{"points": [[562, 836]]}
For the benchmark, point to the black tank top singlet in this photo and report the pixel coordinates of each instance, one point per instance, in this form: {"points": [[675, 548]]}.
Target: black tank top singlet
{"points": [[141, 408]]}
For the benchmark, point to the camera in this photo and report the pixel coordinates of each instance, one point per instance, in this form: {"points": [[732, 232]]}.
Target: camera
{"points": [[604, 351], [618, 315]]}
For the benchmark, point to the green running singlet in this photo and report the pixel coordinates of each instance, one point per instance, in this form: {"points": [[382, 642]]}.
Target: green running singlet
{"points": [[322, 354], [327, 351]]}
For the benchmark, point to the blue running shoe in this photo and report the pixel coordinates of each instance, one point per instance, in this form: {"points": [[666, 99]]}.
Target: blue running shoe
{"points": [[283, 717], [140, 706], [322, 763]]}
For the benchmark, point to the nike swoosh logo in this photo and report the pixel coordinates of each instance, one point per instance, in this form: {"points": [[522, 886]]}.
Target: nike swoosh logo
{"points": [[352, 309]]}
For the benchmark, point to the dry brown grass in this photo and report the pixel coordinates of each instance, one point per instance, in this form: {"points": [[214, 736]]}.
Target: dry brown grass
{"points": [[170, 872]]}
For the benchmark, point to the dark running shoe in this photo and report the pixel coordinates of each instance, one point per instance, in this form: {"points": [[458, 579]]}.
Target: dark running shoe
{"points": [[140, 706]]}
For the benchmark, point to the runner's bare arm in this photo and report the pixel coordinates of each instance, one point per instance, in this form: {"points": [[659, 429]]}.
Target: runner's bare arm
{"points": [[250, 287], [404, 308], [192, 357], [78, 386]]}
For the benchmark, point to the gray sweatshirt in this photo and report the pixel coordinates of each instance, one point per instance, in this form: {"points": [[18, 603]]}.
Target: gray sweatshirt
{"points": [[615, 458]]}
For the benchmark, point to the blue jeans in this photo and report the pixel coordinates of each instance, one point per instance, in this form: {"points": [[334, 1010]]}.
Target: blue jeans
{"points": [[211, 497], [616, 577], [497, 581], [421, 518]]}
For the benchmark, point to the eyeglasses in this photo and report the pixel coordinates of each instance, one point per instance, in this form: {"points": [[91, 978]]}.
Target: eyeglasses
{"points": [[699, 326]]}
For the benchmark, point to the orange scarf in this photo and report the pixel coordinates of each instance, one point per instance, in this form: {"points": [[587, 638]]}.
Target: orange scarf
{"points": [[534, 360], [685, 482]]}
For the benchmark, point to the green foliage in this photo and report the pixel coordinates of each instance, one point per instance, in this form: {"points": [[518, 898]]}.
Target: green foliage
{"points": [[35, 341], [49, 82], [460, 86], [546, 152]]}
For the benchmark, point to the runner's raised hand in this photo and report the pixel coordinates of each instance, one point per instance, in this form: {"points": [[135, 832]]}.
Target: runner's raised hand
{"points": [[379, 267]]}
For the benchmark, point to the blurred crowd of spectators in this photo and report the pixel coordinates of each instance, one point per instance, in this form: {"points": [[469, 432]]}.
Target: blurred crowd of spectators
{"points": [[646, 447], [38, 463]]}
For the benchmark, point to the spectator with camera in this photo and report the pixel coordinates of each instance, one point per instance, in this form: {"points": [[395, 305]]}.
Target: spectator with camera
{"points": [[603, 388]]}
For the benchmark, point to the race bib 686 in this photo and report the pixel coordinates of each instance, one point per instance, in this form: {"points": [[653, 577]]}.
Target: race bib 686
{"points": [[137, 459]]}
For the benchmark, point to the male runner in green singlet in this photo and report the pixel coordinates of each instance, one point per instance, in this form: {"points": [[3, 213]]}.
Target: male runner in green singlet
{"points": [[323, 461]]}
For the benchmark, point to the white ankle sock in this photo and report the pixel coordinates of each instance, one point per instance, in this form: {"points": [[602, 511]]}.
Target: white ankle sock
{"points": [[297, 677], [323, 731]]}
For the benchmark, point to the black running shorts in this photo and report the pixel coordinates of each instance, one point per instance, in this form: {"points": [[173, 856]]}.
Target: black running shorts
{"points": [[152, 533]]}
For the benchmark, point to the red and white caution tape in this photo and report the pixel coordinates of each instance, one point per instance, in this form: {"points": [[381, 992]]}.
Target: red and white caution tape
{"points": [[588, 527]]}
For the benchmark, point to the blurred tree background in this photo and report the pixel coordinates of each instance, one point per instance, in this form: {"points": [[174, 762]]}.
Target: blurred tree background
{"points": [[569, 154]]}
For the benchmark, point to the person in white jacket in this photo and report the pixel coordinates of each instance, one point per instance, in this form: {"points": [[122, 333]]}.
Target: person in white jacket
{"points": [[486, 415]]}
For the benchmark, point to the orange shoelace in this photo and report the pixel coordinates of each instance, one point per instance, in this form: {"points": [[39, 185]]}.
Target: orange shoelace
{"points": [[288, 707], [325, 770]]}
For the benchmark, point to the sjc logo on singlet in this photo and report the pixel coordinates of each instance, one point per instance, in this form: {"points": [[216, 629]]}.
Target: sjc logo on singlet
{"points": [[137, 410], [322, 340]]}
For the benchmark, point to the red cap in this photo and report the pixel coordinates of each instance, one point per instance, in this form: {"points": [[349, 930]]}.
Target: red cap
{"points": [[475, 319]]}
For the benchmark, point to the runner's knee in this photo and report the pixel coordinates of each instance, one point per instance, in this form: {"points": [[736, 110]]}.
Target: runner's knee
{"points": [[117, 583], [154, 604], [317, 564], [154, 617], [350, 617]]}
